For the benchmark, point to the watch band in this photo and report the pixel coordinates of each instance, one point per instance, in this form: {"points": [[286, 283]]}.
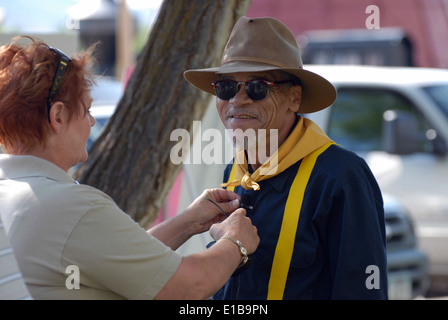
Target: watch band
{"points": [[242, 249]]}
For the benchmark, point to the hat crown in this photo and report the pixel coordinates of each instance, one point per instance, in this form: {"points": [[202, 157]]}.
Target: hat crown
{"points": [[262, 40]]}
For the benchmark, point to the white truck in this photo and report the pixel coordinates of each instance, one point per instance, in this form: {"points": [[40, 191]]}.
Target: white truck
{"points": [[397, 119]]}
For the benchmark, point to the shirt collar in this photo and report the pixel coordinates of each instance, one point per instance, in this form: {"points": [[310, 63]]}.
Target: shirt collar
{"points": [[16, 167], [277, 182]]}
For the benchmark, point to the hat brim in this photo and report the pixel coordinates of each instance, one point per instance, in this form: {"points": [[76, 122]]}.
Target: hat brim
{"points": [[317, 92]]}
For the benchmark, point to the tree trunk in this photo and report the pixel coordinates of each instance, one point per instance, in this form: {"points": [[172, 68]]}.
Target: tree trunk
{"points": [[131, 160]]}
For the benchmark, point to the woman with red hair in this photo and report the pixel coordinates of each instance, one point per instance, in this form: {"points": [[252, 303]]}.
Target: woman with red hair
{"points": [[71, 241], [25, 79]]}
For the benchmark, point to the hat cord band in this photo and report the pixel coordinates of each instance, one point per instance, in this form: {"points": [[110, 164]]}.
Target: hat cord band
{"points": [[266, 61]]}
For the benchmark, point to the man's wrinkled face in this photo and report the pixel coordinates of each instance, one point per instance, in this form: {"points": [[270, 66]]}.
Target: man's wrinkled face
{"points": [[277, 111]]}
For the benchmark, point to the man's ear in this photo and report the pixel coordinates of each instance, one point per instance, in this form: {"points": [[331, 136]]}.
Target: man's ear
{"points": [[58, 116], [296, 98]]}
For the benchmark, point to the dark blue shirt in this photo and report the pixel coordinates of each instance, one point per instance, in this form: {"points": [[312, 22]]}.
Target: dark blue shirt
{"points": [[341, 233]]}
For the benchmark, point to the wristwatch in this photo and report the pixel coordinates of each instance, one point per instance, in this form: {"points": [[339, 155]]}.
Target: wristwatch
{"points": [[242, 249]]}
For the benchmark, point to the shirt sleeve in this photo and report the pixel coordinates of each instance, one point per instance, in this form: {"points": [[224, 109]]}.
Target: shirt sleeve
{"points": [[356, 236], [114, 253]]}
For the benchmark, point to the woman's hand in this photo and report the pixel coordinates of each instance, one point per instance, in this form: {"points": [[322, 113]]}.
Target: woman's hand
{"points": [[239, 227], [198, 217], [212, 206]]}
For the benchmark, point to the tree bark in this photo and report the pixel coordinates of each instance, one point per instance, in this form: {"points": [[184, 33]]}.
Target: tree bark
{"points": [[131, 159]]}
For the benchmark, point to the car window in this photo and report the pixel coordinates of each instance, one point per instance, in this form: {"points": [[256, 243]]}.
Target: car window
{"points": [[440, 95], [357, 115]]}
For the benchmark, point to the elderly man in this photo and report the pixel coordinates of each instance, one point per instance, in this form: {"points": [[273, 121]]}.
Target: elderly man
{"points": [[317, 206]]}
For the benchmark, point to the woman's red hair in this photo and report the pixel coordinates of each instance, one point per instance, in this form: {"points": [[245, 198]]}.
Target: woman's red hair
{"points": [[26, 75]]}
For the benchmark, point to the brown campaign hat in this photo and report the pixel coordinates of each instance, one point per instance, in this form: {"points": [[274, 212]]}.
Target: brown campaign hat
{"points": [[264, 44]]}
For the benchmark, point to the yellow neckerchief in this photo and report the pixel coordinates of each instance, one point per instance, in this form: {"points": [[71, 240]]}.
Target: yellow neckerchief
{"points": [[303, 140]]}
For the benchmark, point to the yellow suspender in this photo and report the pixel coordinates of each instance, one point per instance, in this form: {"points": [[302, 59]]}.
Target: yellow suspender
{"points": [[232, 177], [286, 239]]}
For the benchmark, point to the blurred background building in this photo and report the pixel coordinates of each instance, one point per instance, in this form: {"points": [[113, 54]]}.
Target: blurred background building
{"points": [[120, 27], [410, 32]]}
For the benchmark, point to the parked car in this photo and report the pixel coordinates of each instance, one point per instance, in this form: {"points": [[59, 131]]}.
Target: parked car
{"points": [[106, 94], [407, 265], [397, 119]]}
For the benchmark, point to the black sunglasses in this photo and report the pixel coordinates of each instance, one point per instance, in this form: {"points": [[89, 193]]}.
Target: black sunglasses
{"points": [[57, 80], [257, 89]]}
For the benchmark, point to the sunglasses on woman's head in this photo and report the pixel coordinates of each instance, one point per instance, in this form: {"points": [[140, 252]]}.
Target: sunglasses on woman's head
{"points": [[60, 71], [256, 90]]}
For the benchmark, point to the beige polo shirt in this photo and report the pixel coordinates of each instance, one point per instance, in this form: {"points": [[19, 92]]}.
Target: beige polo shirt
{"points": [[64, 234], [12, 286]]}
